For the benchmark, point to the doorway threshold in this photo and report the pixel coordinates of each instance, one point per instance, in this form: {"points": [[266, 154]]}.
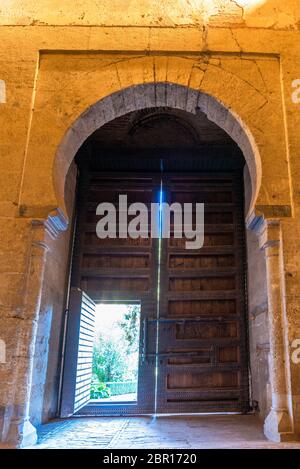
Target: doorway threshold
{"points": [[82, 414]]}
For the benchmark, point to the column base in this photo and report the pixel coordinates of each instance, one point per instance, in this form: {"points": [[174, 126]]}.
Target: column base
{"points": [[21, 434], [277, 426]]}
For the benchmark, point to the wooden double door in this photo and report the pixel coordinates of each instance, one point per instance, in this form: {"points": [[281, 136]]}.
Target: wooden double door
{"points": [[193, 327]]}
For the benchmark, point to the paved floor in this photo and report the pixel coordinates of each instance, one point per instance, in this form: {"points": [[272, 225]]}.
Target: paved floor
{"points": [[205, 431]]}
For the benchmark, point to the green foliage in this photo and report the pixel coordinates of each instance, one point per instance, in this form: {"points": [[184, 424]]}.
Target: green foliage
{"points": [[109, 360], [100, 391], [114, 358], [130, 326]]}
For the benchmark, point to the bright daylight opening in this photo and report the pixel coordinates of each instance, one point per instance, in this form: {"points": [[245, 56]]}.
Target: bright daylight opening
{"points": [[116, 353]]}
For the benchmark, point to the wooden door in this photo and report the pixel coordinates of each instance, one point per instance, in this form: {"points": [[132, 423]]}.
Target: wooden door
{"points": [[193, 337], [202, 346], [79, 353]]}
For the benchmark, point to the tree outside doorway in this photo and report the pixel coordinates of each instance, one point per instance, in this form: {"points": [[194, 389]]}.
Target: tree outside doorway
{"points": [[115, 352]]}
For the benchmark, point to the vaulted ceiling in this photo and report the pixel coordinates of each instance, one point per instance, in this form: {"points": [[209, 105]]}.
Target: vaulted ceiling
{"points": [[160, 128], [150, 139]]}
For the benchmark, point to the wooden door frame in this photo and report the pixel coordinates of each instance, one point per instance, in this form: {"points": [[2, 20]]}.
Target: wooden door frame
{"points": [[146, 376]]}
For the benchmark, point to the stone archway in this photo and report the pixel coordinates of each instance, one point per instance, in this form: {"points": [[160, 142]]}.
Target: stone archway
{"points": [[150, 96], [278, 423], [231, 91], [130, 99], [120, 102]]}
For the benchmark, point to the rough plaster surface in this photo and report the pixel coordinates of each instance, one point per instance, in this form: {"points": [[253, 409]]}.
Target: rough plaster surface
{"points": [[252, 13]]}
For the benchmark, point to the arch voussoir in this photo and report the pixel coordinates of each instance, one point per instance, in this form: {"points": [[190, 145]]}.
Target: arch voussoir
{"points": [[151, 95]]}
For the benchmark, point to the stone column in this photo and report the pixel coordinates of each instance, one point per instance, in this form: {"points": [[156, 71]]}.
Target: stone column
{"points": [[18, 431], [278, 424], [21, 432]]}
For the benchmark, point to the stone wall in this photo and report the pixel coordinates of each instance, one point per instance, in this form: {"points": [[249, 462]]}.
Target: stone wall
{"points": [[48, 347], [272, 14], [54, 67]]}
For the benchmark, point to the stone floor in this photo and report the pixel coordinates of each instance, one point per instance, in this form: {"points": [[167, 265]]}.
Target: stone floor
{"points": [[201, 431]]}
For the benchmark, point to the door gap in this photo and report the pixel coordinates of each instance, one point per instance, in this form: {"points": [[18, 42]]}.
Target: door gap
{"points": [[158, 294]]}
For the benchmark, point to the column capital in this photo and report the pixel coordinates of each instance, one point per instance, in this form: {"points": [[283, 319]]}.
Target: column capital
{"points": [[268, 230], [44, 229], [269, 234]]}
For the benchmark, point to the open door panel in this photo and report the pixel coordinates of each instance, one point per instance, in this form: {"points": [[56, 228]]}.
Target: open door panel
{"points": [[78, 353]]}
